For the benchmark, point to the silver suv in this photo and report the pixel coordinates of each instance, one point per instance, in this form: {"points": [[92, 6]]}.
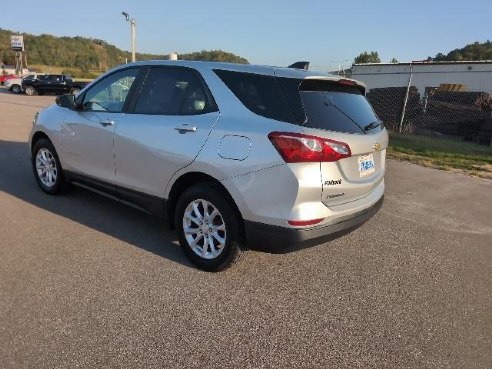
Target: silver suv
{"points": [[228, 154]]}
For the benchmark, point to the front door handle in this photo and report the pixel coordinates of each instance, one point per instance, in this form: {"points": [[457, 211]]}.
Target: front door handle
{"points": [[107, 122], [185, 128]]}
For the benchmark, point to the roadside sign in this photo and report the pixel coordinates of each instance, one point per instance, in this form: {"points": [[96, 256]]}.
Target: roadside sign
{"points": [[17, 42]]}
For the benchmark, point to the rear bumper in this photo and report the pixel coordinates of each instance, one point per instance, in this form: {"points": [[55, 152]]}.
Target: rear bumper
{"points": [[265, 236]]}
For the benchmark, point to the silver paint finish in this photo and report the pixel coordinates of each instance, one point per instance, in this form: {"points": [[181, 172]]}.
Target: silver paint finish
{"points": [[149, 150], [353, 186], [149, 153], [234, 147], [87, 141]]}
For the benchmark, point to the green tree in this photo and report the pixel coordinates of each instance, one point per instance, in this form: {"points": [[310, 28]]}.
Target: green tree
{"points": [[366, 57], [471, 52], [214, 55], [394, 61], [440, 57]]}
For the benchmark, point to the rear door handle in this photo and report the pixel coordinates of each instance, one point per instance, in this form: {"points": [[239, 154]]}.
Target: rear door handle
{"points": [[107, 122], [185, 128]]}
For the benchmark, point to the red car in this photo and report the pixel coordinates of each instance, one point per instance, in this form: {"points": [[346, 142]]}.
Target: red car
{"points": [[5, 77]]}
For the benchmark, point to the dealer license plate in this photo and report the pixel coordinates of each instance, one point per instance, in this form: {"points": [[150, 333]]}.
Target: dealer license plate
{"points": [[366, 165]]}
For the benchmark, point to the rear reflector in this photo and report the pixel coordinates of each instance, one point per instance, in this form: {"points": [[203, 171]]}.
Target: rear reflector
{"points": [[300, 223], [300, 148]]}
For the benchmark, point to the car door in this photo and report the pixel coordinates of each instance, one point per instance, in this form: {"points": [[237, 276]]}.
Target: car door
{"points": [[165, 129], [51, 84], [87, 132], [47, 84], [58, 84], [40, 83]]}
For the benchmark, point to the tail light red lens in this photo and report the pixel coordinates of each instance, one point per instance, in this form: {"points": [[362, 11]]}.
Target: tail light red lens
{"points": [[300, 148]]}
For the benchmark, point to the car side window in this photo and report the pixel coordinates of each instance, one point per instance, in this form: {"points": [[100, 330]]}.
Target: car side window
{"points": [[109, 94], [260, 94], [173, 91]]}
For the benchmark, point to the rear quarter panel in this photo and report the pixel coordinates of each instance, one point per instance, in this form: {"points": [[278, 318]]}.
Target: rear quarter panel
{"points": [[235, 119]]}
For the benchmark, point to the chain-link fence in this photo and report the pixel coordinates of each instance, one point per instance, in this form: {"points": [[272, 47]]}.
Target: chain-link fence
{"points": [[446, 107], [465, 115], [461, 114]]}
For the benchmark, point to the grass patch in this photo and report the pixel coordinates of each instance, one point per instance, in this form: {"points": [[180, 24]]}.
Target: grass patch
{"points": [[440, 153]]}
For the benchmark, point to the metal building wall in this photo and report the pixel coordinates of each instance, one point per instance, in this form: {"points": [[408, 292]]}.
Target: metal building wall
{"points": [[477, 76]]}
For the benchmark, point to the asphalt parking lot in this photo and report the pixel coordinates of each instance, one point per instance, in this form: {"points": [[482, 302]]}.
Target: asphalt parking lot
{"points": [[86, 282]]}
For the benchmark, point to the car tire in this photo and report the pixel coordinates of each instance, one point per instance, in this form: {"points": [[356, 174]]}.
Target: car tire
{"points": [[31, 91], [208, 227], [16, 89], [47, 169]]}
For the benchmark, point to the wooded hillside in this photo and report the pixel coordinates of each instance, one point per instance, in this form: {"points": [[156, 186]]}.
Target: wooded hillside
{"points": [[475, 51], [88, 55]]}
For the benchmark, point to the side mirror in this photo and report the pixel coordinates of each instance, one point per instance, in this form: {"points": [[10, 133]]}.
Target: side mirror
{"points": [[66, 101]]}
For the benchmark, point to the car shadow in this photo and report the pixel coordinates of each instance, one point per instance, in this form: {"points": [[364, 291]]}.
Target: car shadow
{"points": [[105, 215]]}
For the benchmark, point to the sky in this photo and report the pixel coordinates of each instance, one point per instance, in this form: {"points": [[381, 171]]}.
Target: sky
{"points": [[325, 32]]}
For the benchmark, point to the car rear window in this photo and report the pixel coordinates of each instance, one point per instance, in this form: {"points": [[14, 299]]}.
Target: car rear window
{"points": [[321, 104], [260, 94], [334, 107]]}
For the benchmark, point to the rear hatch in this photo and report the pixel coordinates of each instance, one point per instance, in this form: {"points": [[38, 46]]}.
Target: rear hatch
{"points": [[338, 111]]}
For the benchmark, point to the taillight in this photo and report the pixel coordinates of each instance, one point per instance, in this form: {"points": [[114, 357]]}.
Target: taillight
{"points": [[300, 148]]}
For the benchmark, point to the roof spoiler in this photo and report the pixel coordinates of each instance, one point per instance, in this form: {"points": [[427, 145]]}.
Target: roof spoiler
{"points": [[300, 65]]}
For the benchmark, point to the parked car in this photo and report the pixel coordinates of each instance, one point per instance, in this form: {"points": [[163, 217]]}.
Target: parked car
{"points": [[52, 83], [15, 84], [6, 77], [228, 154]]}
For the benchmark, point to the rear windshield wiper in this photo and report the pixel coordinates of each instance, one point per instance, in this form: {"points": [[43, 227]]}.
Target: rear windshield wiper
{"points": [[373, 125], [332, 103]]}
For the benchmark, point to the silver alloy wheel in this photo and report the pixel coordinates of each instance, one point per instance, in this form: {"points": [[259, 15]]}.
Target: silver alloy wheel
{"points": [[16, 89], [30, 91], [46, 167], [204, 229]]}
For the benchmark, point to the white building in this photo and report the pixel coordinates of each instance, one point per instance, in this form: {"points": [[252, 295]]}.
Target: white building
{"points": [[475, 76], [10, 69]]}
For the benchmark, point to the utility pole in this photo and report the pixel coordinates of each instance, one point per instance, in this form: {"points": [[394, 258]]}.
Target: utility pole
{"points": [[18, 63], [133, 26], [400, 126]]}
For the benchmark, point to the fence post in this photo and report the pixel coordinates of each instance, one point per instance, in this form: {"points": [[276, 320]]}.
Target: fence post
{"points": [[400, 127]]}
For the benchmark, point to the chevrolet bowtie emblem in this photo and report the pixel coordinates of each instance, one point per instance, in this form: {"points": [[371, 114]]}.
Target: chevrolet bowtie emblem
{"points": [[376, 146]]}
